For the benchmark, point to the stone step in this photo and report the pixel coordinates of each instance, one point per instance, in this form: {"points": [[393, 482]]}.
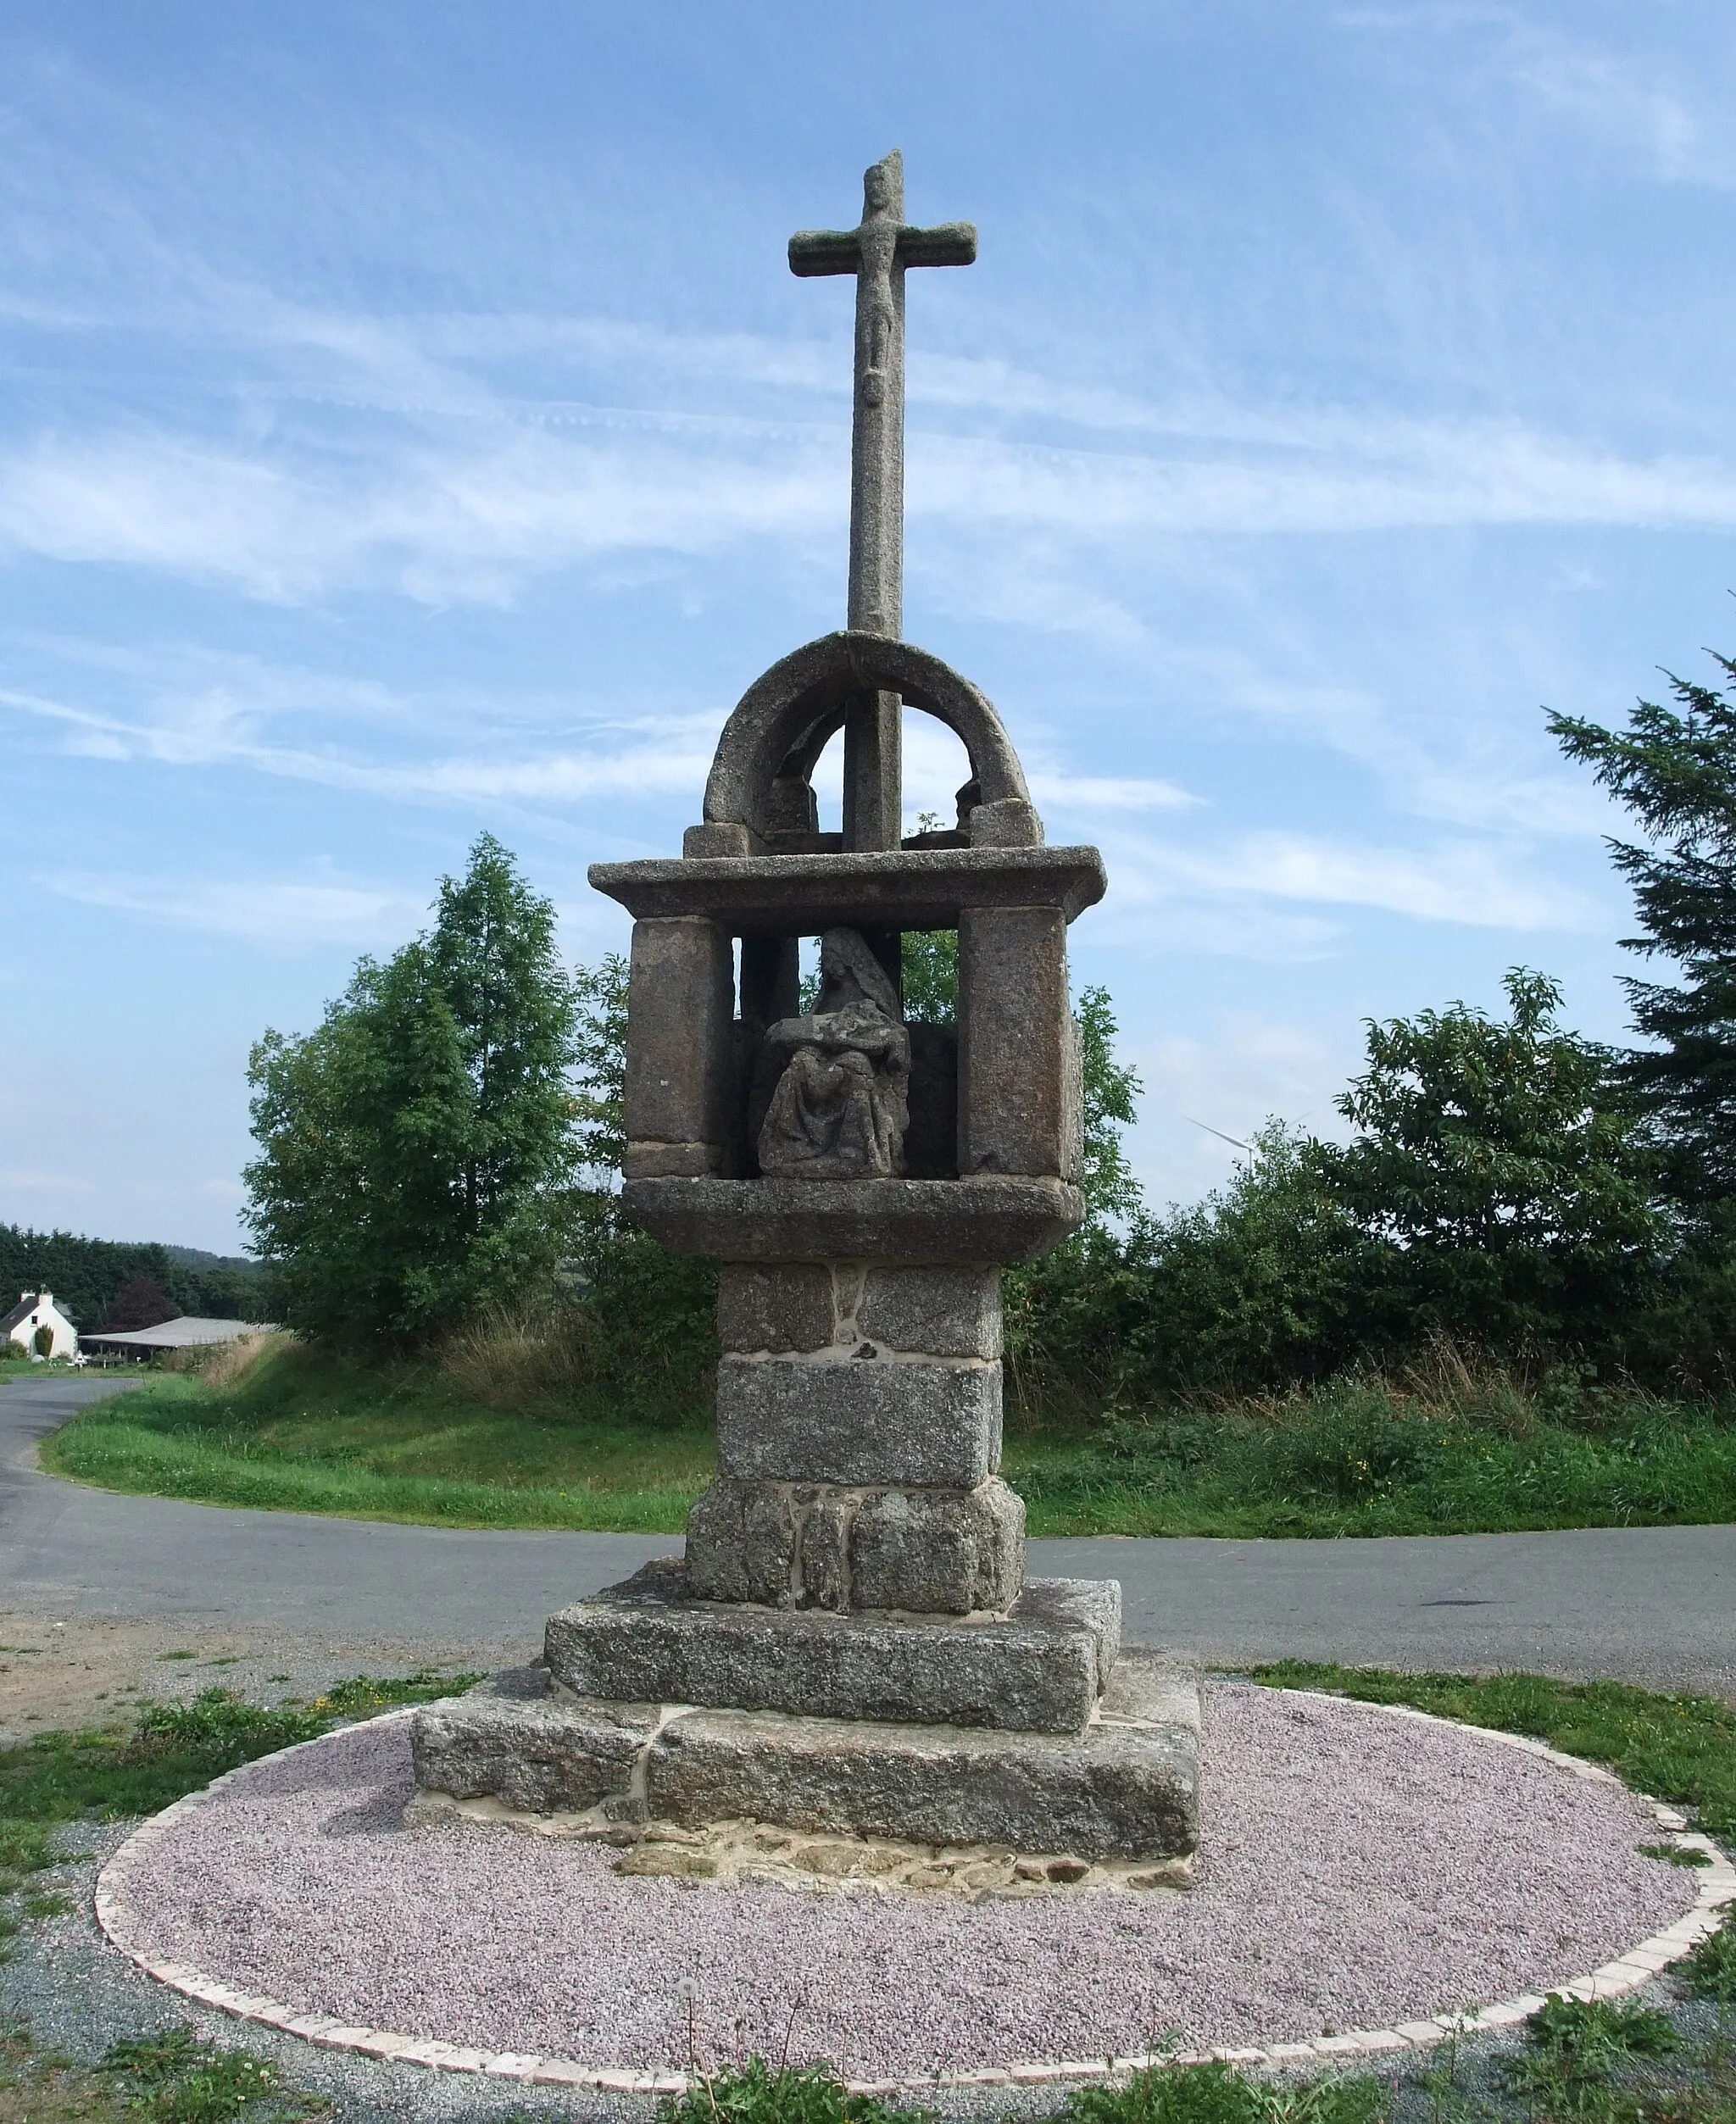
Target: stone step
{"points": [[1040, 1669], [1128, 1786]]}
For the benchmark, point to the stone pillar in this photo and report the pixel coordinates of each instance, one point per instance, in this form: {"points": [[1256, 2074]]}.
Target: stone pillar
{"points": [[681, 1049], [859, 1419], [1019, 1090]]}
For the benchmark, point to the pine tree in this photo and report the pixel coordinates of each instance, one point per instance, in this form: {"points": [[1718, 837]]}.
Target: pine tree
{"points": [[1675, 769]]}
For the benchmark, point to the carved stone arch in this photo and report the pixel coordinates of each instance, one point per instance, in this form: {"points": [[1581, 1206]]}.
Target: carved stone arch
{"points": [[784, 719]]}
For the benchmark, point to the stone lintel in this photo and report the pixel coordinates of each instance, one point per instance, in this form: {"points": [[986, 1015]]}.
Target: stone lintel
{"points": [[991, 1217], [892, 888], [1040, 1669]]}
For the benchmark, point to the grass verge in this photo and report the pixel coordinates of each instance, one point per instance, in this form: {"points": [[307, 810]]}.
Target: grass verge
{"points": [[59, 1780], [287, 1429], [301, 1432]]}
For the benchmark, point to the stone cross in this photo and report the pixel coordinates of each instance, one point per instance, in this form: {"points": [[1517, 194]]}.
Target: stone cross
{"points": [[877, 253]]}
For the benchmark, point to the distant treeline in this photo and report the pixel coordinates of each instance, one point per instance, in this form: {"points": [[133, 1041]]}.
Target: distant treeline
{"points": [[86, 1276]]}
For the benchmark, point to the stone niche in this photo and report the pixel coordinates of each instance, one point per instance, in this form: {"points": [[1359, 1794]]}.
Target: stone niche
{"points": [[850, 1641]]}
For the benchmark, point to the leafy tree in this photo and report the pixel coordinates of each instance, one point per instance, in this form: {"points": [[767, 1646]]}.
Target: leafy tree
{"points": [[600, 1051], [1675, 769], [417, 1150], [1500, 1162], [140, 1302], [1109, 1089], [930, 972], [1261, 1284]]}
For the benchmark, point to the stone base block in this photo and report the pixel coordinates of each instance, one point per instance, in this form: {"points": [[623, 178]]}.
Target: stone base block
{"points": [[1040, 1669], [1126, 1788], [532, 1747], [786, 1545]]}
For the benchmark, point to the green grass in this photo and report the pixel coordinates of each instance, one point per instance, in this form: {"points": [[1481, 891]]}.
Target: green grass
{"points": [[305, 1433], [301, 1431], [1365, 1457]]}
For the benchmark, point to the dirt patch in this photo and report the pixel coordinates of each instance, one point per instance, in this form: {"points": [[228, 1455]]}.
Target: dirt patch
{"points": [[58, 1671]]}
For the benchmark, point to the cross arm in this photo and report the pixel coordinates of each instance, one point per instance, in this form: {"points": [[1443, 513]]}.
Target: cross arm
{"points": [[815, 254], [953, 243]]}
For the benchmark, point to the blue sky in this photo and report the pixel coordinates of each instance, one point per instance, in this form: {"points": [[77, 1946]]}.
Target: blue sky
{"points": [[410, 426]]}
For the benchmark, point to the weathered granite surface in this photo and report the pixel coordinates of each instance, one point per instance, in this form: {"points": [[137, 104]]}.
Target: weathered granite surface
{"points": [[549, 1753], [782, 1308], [1039, 1669], [800, 1545], [859, 1419], [1126, 1787]]}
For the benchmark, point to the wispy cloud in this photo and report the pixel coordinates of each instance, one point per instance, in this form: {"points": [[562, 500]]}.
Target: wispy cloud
{"points": [[456, 517], [1468, 882], [279, 915], [1087, 793], [191, 709]]}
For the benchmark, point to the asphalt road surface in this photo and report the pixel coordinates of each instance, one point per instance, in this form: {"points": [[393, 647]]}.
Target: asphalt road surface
{"points": [[1654, 1605]]}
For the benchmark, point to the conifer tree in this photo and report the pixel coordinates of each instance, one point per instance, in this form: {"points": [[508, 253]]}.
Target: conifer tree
{"points": [[1674, 767]]}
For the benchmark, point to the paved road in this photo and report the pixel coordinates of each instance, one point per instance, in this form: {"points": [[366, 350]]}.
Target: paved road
{"points": [[1655, 1606]]}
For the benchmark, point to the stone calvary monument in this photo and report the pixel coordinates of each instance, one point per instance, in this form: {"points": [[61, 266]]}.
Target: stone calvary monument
{"points": [[850, 1644]]}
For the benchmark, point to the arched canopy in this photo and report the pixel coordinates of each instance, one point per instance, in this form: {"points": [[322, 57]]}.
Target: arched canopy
{"points": [[784, 720]]}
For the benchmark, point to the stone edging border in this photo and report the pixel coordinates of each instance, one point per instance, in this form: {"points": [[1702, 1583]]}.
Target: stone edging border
{"points": [[1717, 1887]]}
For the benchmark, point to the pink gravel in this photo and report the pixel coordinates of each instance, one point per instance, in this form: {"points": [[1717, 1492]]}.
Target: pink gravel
{"points": [[1357, 1870]]}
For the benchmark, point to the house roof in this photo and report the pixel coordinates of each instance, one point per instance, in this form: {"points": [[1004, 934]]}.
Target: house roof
{"points": [[186, 1334], [21, 1311]]}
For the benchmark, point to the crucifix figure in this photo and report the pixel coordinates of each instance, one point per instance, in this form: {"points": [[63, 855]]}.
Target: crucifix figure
{"points": [[877, 253]]}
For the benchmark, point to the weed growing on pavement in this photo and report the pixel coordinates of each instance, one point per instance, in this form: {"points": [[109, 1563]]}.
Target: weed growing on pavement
{"points": [[1219, 2094], [363, 1694], [177, 2077], [760, 2094], [1711, 1969], [1573, 2047], [1682, 1749], [1676, 1853]]}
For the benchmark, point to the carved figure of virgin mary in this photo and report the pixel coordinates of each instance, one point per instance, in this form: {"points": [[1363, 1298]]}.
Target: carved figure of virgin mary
{"points": [[841, 1107]]}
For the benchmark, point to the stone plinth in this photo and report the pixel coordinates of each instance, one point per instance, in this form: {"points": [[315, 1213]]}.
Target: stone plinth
{"points": [[1040, 1669], [1126, 1786]]}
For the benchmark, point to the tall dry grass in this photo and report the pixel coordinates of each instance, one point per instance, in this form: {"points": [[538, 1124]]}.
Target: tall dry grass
{"points": [[505, 1359], [220, 1364]]}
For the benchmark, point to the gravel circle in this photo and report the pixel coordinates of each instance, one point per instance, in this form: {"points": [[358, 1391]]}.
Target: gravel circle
{"points": [[1357, 1870]]}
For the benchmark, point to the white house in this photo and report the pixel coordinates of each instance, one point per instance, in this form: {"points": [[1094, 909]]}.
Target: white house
{"points": [[35, 1315]]}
